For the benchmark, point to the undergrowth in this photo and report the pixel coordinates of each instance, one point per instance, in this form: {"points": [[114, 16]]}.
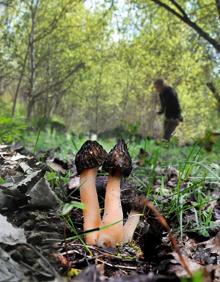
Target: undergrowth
{"points": [[196, 167]]}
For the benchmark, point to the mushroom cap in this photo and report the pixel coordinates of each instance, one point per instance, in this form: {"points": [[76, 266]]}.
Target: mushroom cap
{"points": [[138, 203], [90, 155], [118, 160]]}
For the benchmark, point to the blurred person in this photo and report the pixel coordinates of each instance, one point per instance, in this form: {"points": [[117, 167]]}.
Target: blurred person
{"points": [[170, 107]]}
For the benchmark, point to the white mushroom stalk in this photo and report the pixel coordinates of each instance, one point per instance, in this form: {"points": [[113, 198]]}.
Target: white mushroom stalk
{"points": [[130, 226], [138, 206]]}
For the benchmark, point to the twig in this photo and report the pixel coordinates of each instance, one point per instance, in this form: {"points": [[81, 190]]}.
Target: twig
{"points": [[117, 265], [45, 274], [65, 245], [43, 258], [172, 239], [102, 254]]}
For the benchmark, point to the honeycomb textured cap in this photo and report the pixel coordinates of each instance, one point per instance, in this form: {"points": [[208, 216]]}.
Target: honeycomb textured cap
{"points": [[90, 155], [118, 160]]}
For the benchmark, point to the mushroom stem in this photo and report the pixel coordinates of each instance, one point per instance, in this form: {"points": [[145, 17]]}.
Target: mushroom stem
{"points": [[89, 198], [113, 213], [130, 226]]}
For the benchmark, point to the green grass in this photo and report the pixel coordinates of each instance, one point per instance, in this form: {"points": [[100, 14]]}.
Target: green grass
{"points": [[67, 143], [165, 153], [196, 167]]}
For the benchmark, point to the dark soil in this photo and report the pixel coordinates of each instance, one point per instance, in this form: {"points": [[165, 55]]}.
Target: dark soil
{"points": [[49, 254]]}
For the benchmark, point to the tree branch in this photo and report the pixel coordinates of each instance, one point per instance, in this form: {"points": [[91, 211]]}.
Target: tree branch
{"points": [[20, 78], [218, 6], [185, 18], [54, 22], [4, 3], [59, 82], [214, 91], [179, 7]]}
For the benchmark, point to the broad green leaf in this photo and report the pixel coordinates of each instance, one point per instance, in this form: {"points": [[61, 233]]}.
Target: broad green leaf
{"points": [[69, 206]]}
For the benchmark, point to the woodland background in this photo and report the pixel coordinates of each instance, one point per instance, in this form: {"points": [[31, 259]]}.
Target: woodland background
{"points": [[90, 66], [74, 70]]}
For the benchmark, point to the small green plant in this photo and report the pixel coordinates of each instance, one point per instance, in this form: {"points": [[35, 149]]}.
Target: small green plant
{"points": [[59, 183], [65, 213], [69, 206], [56, 179], [53, 178], [197, 277], [2, 180], [11, 130], [203, 221]]}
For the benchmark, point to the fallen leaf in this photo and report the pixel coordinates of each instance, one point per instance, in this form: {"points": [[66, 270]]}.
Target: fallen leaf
{"points": [[9, 234], [41, 195], [74, 182]]}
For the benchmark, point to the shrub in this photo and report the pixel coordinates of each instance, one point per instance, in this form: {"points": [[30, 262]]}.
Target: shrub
{"points": [[11, 129]]}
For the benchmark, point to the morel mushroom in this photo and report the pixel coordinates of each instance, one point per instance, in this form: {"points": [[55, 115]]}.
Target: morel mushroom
{"points": [[118, 164], [137, 208], [89, 158]]}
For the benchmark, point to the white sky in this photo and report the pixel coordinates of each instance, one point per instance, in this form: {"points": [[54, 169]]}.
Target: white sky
{"points": [[2, 9], [121, 13]]}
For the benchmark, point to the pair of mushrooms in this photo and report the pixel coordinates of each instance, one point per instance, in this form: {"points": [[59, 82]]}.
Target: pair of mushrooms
{"points": [[118, 164]]}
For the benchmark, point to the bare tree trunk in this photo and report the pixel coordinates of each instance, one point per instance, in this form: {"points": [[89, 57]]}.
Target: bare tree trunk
{"points": [[31, 100], [19, 82], [30, 107], [97, 96], [218, 6], [46, 110], [216, 94], [125, 98]]}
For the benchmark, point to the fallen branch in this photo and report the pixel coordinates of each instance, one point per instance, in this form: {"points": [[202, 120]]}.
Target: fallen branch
{"points": [[46, 264], [172, 239], [117, 265]]}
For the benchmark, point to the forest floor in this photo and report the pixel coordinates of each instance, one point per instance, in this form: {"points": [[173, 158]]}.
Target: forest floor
{"points": [[41, 238]]}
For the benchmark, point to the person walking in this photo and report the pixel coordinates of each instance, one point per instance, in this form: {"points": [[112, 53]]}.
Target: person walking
{"points": [[170, 107]]}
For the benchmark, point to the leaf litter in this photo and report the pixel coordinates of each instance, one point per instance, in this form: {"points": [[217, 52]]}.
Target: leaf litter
{"points": [[35, 244]]}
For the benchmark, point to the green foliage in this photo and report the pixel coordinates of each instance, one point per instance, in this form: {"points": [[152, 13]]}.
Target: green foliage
{"points": [[52, 177], [57, 180], [197, 277], [11, 130], [94, 74], [181, 203], [2, 180], [69, 206]]}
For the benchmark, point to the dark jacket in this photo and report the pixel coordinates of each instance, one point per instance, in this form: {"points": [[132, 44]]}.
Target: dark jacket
{"points": [[170, 105]]}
